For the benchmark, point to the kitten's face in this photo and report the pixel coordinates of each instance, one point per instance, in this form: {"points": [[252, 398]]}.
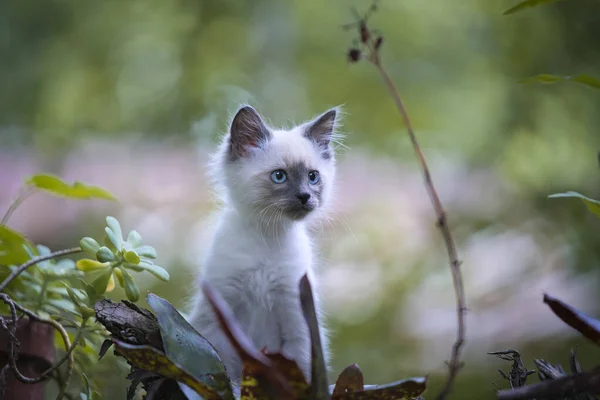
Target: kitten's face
{"points": [[279, 174]]}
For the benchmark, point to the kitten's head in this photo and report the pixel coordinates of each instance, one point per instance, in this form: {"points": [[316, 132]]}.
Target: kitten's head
{"points": [[278, 173]]}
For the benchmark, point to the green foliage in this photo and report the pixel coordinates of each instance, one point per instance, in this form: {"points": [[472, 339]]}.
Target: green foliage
{"points": [[65, 290], [592, 205], [13, 247], [187, 348], [77, 190], [151, 359], [528, 4], [117, 257], [549, 78]]}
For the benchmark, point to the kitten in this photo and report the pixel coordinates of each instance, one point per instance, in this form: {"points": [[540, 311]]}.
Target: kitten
{"points": [[275, 182]]}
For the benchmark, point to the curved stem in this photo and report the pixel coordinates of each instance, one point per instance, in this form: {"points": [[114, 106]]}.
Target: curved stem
{"points": [[24, 193], [69, 347], [34, 261], [454, 364]]}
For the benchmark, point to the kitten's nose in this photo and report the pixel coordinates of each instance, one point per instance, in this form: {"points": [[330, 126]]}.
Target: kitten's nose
{"points": [[303, 197]]}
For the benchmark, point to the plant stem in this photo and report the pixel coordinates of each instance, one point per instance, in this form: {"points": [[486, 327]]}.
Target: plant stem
{"points": [[442, 222], [69, 347], [34, 261], [24, 193]]}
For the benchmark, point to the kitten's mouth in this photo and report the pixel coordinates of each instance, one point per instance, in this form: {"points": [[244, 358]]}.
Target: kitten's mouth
{"points": [[298, 213]]}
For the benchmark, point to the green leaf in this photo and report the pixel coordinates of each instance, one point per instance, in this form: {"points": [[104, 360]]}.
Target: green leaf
{"points": [[155, 270], [146, 251], [152, 359], [101, 283], [104, 254], [73, 296], [115, 226], [89, 245], [77, 190], [549, 79], [131, 289], [187, 348], [405, 389], [115, 240], [13, 247], [132, 257], [587, 80], [592, 205], [133, 267], [134, 239], [87, 265], [527, 4]]}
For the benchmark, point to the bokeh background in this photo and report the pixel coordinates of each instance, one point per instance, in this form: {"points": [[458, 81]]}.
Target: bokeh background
{"points": [[133, 95]]}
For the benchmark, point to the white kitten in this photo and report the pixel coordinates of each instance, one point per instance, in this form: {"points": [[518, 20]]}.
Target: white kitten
{"points": [[275, 182]]}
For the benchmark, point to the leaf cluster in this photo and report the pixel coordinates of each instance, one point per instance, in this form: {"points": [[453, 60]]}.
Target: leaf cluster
{"points": [[64, 290]]}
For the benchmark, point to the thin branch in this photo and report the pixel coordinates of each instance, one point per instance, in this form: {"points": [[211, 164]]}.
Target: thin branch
{"points": [[372, 46], [34, 261], [14, 345]]}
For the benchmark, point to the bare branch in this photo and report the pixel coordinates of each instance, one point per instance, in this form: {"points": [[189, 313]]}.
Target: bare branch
{"points": [[14, 344], [559, 388], [34, 261], [371, 45]]}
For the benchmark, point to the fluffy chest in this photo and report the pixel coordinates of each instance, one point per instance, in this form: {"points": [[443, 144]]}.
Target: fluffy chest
{"points": [[261, 267]]}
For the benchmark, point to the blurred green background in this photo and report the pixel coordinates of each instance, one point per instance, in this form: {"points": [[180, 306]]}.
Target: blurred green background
{"points": [[133, 96]]}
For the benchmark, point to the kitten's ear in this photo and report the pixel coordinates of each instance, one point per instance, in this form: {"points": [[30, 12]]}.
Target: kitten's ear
{"points": [[321, 131], [247, 130]]}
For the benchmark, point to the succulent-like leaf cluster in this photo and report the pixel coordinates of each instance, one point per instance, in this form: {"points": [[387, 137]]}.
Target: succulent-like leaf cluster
{"points": [[116, 257]]}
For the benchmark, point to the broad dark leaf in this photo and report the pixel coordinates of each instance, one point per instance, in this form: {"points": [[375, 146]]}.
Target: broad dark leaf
{"points": [[587, 326], [151, 359], [527, 4], [350, 380], [104, 348], [186, 347], [405, 389], [319, 384], [256, 364], [253, 388], [292, 373]]}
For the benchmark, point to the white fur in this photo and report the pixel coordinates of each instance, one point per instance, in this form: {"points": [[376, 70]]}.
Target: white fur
{"points": [[256, 258]]}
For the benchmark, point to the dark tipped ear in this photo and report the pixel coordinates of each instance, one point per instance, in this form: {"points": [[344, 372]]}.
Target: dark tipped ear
{"points": [[247, 131], [321, 131]]}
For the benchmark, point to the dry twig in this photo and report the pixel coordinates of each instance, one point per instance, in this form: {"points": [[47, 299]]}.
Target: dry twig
{"points": [[369, 50]]}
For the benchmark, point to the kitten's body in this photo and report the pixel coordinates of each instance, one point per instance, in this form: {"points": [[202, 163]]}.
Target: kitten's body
{"points": [[261, 245]]}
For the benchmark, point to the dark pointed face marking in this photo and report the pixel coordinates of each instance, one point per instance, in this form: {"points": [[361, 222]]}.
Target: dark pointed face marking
{"points": [[296, 196]]}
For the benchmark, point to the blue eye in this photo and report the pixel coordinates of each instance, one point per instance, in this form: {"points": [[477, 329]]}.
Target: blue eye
{"points": [[278, 176], [313, 177]]}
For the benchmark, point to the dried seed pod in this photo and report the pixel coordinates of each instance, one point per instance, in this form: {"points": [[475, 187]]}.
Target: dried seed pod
{"points": [[353, 55], [364, 32], [378, 42]]}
